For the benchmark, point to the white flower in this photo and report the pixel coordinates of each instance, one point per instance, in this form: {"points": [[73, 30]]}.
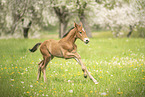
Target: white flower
{"points": [[103, 93], [31, 86], [22, 82], [71, 91], [12, 79]]}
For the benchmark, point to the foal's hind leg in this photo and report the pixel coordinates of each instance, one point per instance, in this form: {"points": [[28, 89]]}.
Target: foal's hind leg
{"points": [[39, 69], [46, 61]]}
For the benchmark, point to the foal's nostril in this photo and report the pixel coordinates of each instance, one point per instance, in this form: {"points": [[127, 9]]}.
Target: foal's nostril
{"points": [[86, 40]]}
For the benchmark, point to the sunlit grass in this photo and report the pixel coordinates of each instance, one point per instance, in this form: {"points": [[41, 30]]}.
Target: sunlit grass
{"points": [[117, 64]]}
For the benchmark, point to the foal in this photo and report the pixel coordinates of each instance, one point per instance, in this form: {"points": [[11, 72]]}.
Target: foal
{"points": [[64, 48]]}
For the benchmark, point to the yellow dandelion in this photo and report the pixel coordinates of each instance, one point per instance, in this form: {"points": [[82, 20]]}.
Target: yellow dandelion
{"points": [[16, 67], [12, 67], [91, 91], [142, 78], [5, 68], [142, 70], [86, 95], [40, 91], [79, 74], [28, 92], [1, 68], [118, 92], [100, 76], [12, 73]]}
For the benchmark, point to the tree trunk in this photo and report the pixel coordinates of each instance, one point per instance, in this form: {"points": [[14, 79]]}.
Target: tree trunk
{"points": [[62, 28], [26, 30], [130, 32], [13, 28], [86, 26], [81, 15]]}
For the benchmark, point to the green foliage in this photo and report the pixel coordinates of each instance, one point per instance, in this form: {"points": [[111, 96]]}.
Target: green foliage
{"points": [[117, 64]]}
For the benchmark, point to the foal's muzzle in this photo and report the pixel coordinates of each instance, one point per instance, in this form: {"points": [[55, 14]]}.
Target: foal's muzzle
{"points": [[86, 40]]}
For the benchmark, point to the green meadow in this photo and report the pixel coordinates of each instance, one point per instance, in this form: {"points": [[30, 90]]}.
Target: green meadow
{"points": [[118, 64]]}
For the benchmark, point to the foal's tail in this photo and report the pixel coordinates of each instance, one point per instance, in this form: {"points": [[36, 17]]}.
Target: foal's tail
{"points": [[35, 47]]}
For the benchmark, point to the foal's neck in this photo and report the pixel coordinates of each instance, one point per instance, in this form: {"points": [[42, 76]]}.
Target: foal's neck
{"points": [[71, 38]]}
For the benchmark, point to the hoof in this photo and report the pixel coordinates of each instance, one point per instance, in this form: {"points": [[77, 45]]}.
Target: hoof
{"points": [[85, 76]]}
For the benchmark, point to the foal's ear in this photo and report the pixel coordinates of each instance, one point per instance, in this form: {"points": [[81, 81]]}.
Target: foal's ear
{"points": [[76, 25], [81, 24]]}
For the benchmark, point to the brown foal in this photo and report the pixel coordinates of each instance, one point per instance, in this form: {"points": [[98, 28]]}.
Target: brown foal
{"points": [[64, 48]]}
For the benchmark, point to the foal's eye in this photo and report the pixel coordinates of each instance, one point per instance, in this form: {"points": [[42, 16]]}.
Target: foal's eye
{"points": [[80, 32]]}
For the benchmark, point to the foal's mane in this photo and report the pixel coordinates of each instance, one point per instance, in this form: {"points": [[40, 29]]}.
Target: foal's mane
{"points": [[67, 32]]}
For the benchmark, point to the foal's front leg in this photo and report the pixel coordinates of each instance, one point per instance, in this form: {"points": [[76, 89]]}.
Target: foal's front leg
{"points": [[77, 57], [84, 68]]}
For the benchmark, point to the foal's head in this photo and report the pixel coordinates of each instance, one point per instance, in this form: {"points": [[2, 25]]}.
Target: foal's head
{"points": [[81, 33]]}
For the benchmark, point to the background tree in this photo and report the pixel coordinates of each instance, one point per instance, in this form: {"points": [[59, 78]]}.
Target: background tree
{"points": [[18, 17], [120, 17]]}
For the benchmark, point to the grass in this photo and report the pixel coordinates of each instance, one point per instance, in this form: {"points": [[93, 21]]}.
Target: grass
{"points": [[117, 64]]}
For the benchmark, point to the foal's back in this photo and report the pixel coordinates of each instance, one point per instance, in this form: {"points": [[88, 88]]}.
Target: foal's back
{"points": [[51, 47]]}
